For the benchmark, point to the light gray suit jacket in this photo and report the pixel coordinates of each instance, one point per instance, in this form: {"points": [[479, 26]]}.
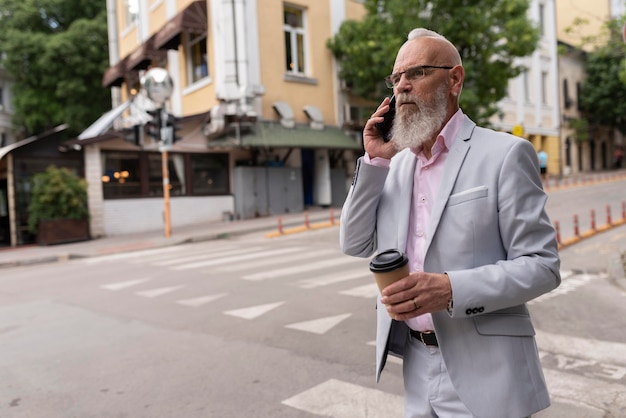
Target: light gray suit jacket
{"points": [[490, 233]]}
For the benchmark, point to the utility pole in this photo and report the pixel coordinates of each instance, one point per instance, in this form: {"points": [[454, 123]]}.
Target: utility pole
{"points": [[158, 85]]}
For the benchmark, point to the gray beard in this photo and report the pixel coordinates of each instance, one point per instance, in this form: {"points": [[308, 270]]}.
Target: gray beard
{"points": [[411, 130]]}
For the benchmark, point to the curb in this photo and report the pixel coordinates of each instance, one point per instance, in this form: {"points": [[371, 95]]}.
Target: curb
{"points": [[65, 256], [589, 233]]}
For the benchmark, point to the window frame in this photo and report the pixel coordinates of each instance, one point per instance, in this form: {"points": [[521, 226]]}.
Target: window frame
{"points": [[130, 18], [293, 67], [189, 55]]}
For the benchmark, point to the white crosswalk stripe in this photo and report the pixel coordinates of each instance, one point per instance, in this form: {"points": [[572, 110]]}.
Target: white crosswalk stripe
{"points": [[200, 301], [369, 291], [153, 293], [570, 281], [237, 258], [200, 256], [337, 399], [130, 254], [287, 271], [333, 278], [253, 312], [307, 254], [123, 285], [190, 251], [321, 325]]}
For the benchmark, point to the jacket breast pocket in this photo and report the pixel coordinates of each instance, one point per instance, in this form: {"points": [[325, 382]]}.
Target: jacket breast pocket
{"points": [[518, 325], [467, 195]]}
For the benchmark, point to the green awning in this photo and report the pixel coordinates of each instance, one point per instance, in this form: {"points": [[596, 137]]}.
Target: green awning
{"points": [[274, 135]]}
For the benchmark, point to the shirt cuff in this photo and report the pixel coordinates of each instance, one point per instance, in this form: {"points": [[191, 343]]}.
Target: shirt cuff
{"points": [[376, 161]]}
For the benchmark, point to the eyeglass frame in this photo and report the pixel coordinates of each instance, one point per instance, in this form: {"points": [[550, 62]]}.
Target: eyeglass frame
{"points": [[421, 68]]}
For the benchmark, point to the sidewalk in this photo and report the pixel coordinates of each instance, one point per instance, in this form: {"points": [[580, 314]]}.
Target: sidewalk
{"points": [[291, 222]]}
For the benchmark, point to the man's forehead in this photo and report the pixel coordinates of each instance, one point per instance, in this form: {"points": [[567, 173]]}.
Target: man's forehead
{"points": [[420, 51]]}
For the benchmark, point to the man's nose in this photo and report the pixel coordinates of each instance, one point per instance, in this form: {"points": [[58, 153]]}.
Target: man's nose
{"points": [[404, 85]]}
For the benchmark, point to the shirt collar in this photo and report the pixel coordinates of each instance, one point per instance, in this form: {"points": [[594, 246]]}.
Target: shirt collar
{"points": [[447, 134]]}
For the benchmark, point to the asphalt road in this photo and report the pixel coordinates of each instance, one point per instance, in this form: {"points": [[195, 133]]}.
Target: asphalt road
{"points": [[257, 327]]}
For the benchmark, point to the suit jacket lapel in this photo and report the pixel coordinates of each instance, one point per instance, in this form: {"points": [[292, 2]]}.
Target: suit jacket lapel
{"points": [[456, 155]]}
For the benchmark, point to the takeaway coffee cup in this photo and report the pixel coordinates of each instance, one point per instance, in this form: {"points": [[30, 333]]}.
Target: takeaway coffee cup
{"points": [[388, 267]]}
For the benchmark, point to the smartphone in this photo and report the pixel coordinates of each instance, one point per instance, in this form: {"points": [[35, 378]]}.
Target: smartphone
{"points": [[385, 126]]}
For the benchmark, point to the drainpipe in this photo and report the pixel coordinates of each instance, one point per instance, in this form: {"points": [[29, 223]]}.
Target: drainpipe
{"points": [[114, 56]]}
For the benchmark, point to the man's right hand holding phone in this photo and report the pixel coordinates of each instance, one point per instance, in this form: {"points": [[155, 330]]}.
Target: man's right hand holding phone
{"points": [[373, 140]]}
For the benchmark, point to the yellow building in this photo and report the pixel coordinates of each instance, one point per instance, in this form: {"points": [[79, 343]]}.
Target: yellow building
{"points": [[260, 106]]}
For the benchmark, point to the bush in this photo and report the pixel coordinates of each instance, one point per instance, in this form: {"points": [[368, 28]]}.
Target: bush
{"points": [[57, 193]]}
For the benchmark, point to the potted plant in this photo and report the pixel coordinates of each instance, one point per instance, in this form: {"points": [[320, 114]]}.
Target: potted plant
{"points": [[58, 211]]}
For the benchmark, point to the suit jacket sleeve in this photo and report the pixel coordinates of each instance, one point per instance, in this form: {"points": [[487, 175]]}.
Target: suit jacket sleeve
{"points": [[357, 233], [514, 260]]}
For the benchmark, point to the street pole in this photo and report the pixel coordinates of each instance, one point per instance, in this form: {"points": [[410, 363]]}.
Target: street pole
{"points": [[158, 85], [166, 194], [164, 146]]}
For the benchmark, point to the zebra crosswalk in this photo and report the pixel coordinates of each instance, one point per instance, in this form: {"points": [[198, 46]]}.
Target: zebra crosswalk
{"points": [[314, 268], [291, 270]]}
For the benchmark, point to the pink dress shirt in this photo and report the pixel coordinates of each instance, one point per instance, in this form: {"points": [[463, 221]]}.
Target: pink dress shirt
{"points": [[426, 180]]}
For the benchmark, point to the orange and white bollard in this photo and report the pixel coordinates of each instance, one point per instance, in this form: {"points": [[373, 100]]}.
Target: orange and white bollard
{"points": [[332, 216], [557, 228], [576, 229], [593, 220], [307, 224], [608, 215], [280, 225]]}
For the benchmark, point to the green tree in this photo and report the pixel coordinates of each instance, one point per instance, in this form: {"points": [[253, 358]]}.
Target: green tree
{"points": [[56, 52], [489, 34], [603, 92]]}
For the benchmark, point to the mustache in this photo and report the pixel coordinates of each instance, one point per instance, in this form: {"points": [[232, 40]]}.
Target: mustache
{"points": [[404, 98]]}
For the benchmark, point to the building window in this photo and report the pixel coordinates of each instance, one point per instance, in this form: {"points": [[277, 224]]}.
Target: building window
{"points": [[135, 175], [209, 174], [3, 139], [295, 39], [578, 90], [197, 61], [121, 175], [567, 101], [131, 12]]}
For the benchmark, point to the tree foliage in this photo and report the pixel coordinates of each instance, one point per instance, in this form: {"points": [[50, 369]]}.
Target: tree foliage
{"points": [[489, 34], [55, 52], [603, 92]]}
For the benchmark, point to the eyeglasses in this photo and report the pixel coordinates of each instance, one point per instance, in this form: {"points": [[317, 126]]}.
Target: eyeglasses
{"points": [[411, 74]]}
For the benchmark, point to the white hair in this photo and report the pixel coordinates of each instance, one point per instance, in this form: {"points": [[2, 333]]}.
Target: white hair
{"points": [[427, 33]]}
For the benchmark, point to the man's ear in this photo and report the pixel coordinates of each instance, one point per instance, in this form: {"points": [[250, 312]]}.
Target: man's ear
{"points": [[457, 76]]}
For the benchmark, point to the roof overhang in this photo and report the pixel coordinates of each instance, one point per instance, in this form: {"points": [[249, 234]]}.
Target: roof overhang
{"points": [[192, 19], [274, 135], [114, 75], [104, 122], [142, 57], [7, 149]]}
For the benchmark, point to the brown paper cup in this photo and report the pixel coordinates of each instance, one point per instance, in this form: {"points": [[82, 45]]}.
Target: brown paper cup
{"points": [[385, 279], [389, 266]]}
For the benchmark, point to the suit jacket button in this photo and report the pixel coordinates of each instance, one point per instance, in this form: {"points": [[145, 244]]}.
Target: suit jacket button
{"points": [[481, 309], [468, 311]]}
